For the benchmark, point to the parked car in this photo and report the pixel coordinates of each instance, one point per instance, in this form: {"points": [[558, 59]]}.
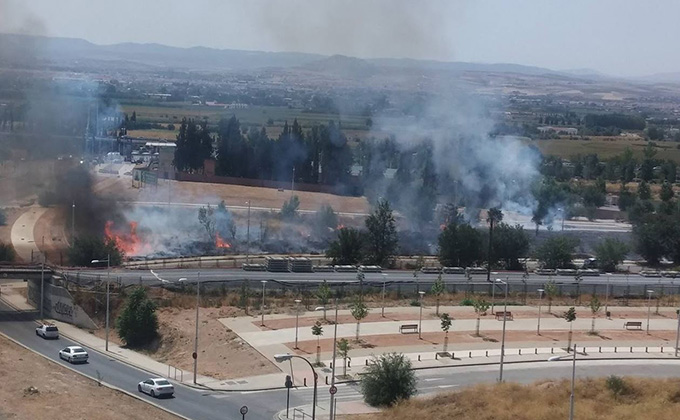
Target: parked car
{"points": [[74, 354], [156, 387], [47, 331]]}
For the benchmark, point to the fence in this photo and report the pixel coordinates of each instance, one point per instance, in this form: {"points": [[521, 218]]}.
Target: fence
{"points": [[174, 373]]}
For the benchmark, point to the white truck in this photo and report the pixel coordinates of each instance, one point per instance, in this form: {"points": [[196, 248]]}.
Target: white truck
{"points": [[47, 331]]}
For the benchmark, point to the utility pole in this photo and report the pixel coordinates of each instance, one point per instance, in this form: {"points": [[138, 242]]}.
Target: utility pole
{"points": [[42, 288], [335, 346], [248, 237], [73, 221]]}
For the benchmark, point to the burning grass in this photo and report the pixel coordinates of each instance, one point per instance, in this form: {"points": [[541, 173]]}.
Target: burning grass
{"points": [[641, 399]]}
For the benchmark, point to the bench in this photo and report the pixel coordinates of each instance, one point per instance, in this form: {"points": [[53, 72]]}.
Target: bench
{"points": [[499, 315], [413, 328], [635, 324]]}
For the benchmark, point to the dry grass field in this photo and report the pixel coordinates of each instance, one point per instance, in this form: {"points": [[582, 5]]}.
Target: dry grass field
{"points": [[604, 147], [641, 399]]}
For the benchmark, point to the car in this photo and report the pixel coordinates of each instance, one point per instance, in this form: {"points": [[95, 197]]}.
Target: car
{"points": [[156, 387], [47, 331], [74, 354]]}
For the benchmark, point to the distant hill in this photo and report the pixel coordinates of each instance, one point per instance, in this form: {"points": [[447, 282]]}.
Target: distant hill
{"points": [[343, 66]]}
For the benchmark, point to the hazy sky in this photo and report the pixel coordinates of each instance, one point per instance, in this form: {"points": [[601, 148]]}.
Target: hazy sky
{"points": [[620, 37]]}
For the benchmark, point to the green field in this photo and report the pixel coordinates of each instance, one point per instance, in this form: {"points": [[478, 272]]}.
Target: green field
{"points": [[604, 147]]}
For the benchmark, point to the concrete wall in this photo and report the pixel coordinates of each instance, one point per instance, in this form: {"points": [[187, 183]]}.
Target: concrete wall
{"points": [[58, 304]]}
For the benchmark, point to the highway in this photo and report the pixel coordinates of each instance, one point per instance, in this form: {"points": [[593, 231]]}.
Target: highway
{"points": [[159, 276]]}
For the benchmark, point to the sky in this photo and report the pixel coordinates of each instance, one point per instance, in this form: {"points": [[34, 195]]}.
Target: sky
{"points": [[616, 37]]}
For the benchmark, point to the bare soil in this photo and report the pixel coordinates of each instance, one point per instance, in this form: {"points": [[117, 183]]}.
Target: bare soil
{"points": [[59, 393], [549, 337], [50, 235], [222, 354]]}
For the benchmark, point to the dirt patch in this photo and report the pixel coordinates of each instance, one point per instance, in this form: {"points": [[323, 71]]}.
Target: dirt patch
{"points": [[34, 388], [222, 354], [551, 338]]}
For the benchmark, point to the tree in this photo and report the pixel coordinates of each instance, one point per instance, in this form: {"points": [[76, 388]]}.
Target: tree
{"points": [[510, 244], [494, 215], [610, 253], [7, 253], [326, 220], [387, 380], [556, 252], [324, 295], [550, 292], [445, 325], [437, 290], [290, 208], [626, 198], [137, 323], [460, 245], [570, 317], [381, 237], [317, 330], [206, 217], [666, 193], [346, 249], [644, 193], [359, 311], [651, 235], [84, 249], [344, 347], [3, 218], [595, 307], [481, 306]]}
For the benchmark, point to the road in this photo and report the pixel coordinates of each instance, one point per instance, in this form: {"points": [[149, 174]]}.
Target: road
{"points": [[390, 276]]}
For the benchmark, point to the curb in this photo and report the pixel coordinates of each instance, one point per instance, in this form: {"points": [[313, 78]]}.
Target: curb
{"points": [[104, 383]]}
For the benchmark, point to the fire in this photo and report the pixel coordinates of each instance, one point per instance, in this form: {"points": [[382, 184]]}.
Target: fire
{"points": [[340, 227], [221, 243], [128, 242]]}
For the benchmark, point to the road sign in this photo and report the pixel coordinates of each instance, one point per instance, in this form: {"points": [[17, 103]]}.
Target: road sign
{"points": [[194, 355], [289, 382], [333, 390], [244, 410]]}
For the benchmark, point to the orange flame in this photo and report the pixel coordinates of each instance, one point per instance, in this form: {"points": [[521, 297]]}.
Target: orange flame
{"points": [[129, 243], [221, 243]]}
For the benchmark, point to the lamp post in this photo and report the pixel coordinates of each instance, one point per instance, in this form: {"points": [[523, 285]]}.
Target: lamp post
{"points": [[73, 220], [382, 312], [505, 316], [649, 307], [420, 322], [248, 236], [677, 333], [540, 300], [297, 317], [280, 358], [573, 381], [606, 296], [264, 282], [198, 300], [42, 287], [335, 346], [493, 293], [108, 277]]}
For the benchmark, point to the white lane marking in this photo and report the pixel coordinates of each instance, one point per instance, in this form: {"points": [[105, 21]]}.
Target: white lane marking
{"points": [[447, 386], [158, 277], [432, 379]]}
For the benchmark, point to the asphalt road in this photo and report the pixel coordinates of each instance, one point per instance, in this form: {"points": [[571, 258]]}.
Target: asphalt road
{"points": [[391, 276], [195, 404]]}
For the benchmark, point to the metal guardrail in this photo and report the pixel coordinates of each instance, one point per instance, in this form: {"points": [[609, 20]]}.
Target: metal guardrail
{"points": [[303, 415], [173, 373]]}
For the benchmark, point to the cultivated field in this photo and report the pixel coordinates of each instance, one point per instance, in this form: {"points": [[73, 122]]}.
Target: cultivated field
{"points": [[641, 399], [604, 147]]}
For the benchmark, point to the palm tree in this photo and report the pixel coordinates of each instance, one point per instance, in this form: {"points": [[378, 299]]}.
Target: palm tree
{"points": [[493, 216]]}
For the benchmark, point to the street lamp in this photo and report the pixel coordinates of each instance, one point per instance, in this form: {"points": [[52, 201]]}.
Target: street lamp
{"points": [[335, 340], [493, 293], [540, 300], [573, 380], [649, 307], [606, 296], [248, 236], [280, 358], [42, 286], [297, 317], [383, 295], [677, 333], [73, 220], [505, 316], [264, 282], [420, 322], [108, 276], [198, 299]]}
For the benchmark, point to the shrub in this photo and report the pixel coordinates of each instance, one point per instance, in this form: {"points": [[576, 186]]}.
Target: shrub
{"points": [[84, 249], [7, 253], [616, 385], [467, 302], [138, 324], [387, 380], [3, 218]]}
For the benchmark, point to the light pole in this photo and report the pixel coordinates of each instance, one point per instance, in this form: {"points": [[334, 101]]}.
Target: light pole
{"points": [[198, 300], [280, 358], [649, 307], [264, 282], [42, 287], [420, 322], [493, 293], [108, 277], [540, 300], [335, 339], [606, 296], [573, 381], [383, 295], [73, 220], [248, 236], [677, 333], [297, 317], [505, 316]]}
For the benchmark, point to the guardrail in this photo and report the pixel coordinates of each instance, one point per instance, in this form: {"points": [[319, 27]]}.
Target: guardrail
{"points": [[173, 373], [303, 415]]}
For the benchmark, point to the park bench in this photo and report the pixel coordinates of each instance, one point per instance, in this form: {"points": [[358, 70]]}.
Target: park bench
{"points": [[635, 324], [413, 328], [499, 315]]}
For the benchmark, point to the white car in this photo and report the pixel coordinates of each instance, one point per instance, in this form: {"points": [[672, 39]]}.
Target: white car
{"points": [[47, 331], [156, 387], [74, 354]]}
